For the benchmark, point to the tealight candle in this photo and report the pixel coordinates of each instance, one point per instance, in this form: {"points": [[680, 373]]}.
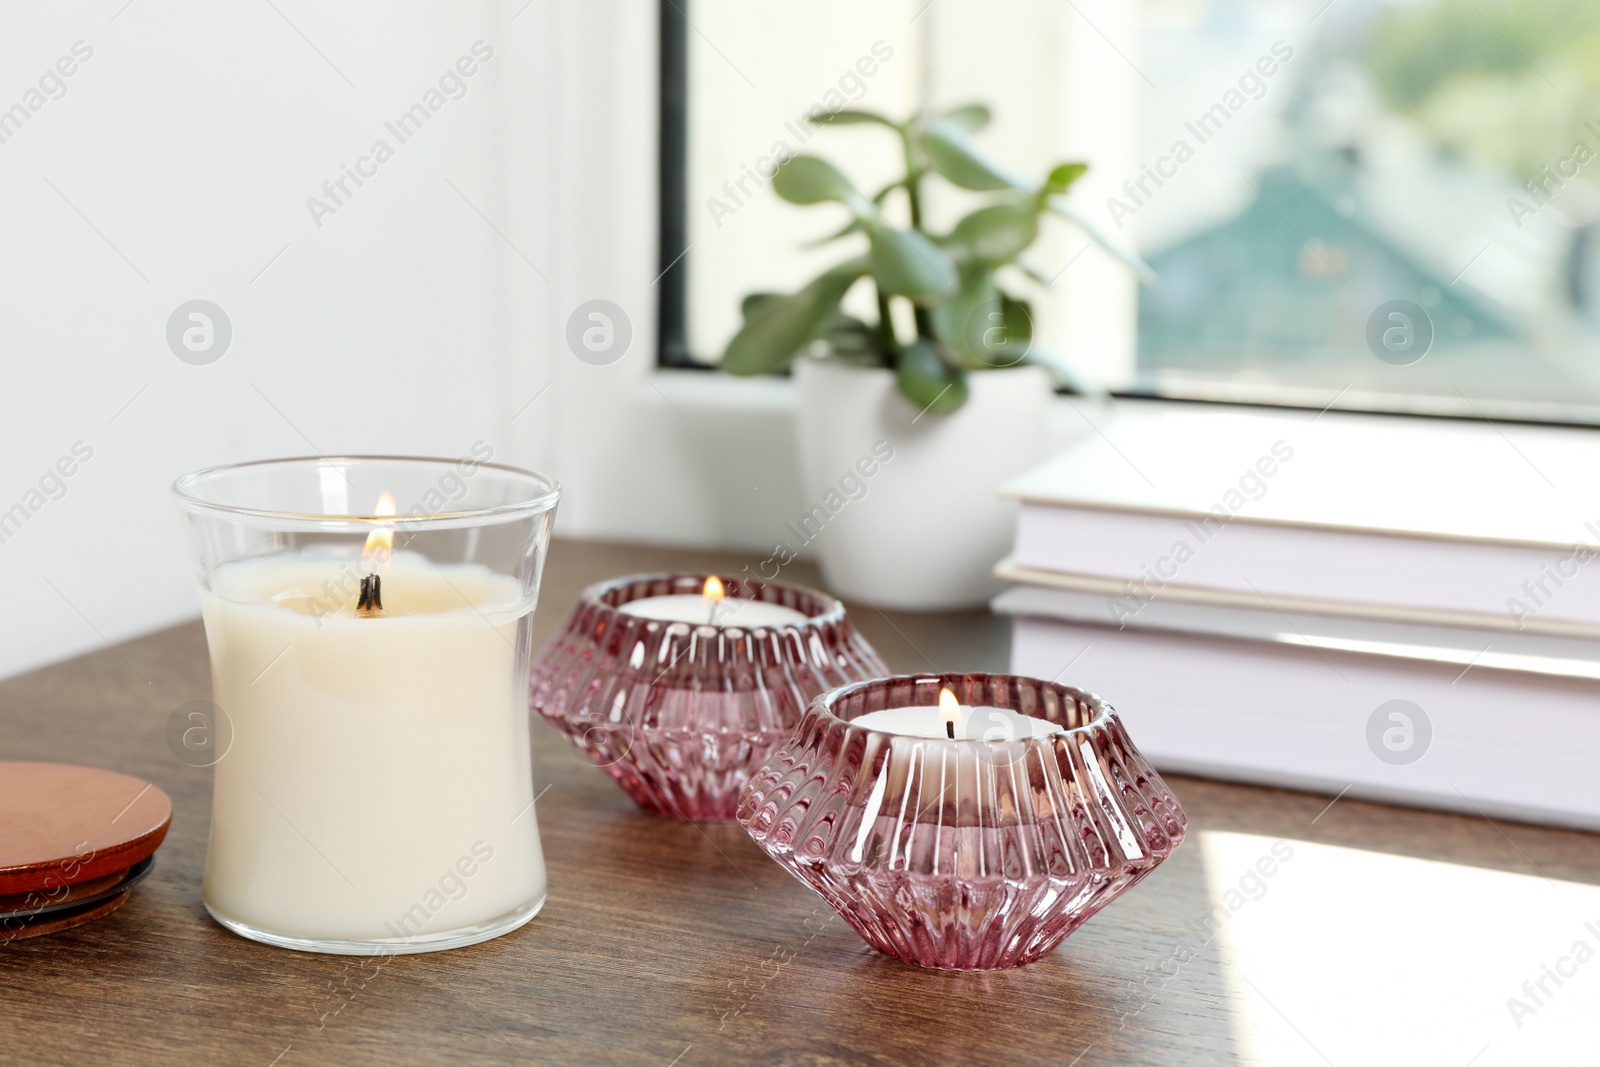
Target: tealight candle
{"points": [[713, 608], [952, 721]]}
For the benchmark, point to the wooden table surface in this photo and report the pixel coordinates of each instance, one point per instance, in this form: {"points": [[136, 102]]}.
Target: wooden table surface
{"points": [[1387, 935]]}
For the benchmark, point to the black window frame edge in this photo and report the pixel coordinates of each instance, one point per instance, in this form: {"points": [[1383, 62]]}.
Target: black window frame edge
{"points": [[673, 252], [672, 342]]}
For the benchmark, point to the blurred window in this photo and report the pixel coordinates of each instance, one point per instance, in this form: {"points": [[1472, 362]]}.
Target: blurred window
{"points": [[1388, 205]]}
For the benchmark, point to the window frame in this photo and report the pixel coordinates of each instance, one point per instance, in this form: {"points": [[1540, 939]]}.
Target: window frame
{"points": [[673, 254], [672, 251]]}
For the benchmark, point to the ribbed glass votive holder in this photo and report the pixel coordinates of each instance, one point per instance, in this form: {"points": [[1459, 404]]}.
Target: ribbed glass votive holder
{"points": [[680, 713], [963, 854]]}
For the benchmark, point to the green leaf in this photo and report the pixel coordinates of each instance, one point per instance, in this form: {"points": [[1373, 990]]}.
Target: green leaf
{"points": [[927, 381], [847, 331], [855, 224], [852, 117], [853, 341], [952, 155], [1018, 315], [1061, 177], [810, 180], [970, 117], [751, 303], [960, 321], [1007, 339], [983, 327], [907, 263], [1128, 259], [779, 327], [997, 233]]}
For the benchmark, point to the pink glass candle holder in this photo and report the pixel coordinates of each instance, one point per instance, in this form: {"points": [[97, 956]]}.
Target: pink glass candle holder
{"points": [[963, 854], [680, 713]]}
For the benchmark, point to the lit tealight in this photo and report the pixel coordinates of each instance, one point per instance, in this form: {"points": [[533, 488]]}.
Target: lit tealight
{"points": [[714, 594], [950, 709]]}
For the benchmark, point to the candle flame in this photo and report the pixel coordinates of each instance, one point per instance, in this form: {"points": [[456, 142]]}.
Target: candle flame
{"points": [[380, 542], [713, 589], [950, 708]]}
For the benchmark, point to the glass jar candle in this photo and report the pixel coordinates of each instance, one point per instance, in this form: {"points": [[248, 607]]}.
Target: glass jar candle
{"points": [[369, 624]]}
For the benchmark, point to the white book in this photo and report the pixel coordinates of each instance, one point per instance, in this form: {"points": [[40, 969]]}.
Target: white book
{"points": [[1426, 520], [1483, 722]]}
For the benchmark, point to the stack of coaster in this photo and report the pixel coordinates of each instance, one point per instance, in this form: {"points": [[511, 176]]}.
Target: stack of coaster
{"points": [[73, 843]]}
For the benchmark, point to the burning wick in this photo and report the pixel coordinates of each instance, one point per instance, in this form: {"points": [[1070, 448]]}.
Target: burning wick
{"points": [[371, 602], [951, 708], [375, 557], [714, 595]]}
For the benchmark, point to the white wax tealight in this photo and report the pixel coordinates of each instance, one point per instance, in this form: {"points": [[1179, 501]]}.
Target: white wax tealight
{"points": [[949, 719], [711, 608]]}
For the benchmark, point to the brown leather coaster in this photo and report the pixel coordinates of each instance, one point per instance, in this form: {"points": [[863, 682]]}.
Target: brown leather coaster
{"points": [[20, 907], [13, 903], [62, 825], [21, 930]]}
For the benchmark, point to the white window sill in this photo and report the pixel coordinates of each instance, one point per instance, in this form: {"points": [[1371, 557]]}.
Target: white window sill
{"points": [[709, 460]]}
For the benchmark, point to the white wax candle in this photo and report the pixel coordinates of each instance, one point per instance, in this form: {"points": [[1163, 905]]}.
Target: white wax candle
{"points": [[971, 724], [379, 782], [697, 609]]}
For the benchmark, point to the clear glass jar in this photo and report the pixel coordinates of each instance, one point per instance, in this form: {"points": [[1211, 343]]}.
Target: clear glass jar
{"points": [[369, 622]]}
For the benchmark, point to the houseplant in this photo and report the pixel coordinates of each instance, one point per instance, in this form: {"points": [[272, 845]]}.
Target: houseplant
{"points": [[962, 404]]}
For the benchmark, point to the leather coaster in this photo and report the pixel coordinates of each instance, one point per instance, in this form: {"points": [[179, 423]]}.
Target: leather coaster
{"points": [[21, 930], [62, 826], [20, 907]]}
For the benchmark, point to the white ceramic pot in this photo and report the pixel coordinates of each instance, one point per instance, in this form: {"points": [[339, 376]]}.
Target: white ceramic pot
{"points": [[903, 510]]}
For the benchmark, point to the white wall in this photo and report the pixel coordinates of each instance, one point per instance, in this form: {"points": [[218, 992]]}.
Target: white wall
{"points": [[178, 165]]}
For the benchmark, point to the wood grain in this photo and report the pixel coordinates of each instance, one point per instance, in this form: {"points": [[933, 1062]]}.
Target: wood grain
{"points": [[662, 943]]}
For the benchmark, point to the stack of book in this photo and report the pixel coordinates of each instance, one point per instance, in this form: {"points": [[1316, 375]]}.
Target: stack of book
{"points": [[1371, 606]]}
